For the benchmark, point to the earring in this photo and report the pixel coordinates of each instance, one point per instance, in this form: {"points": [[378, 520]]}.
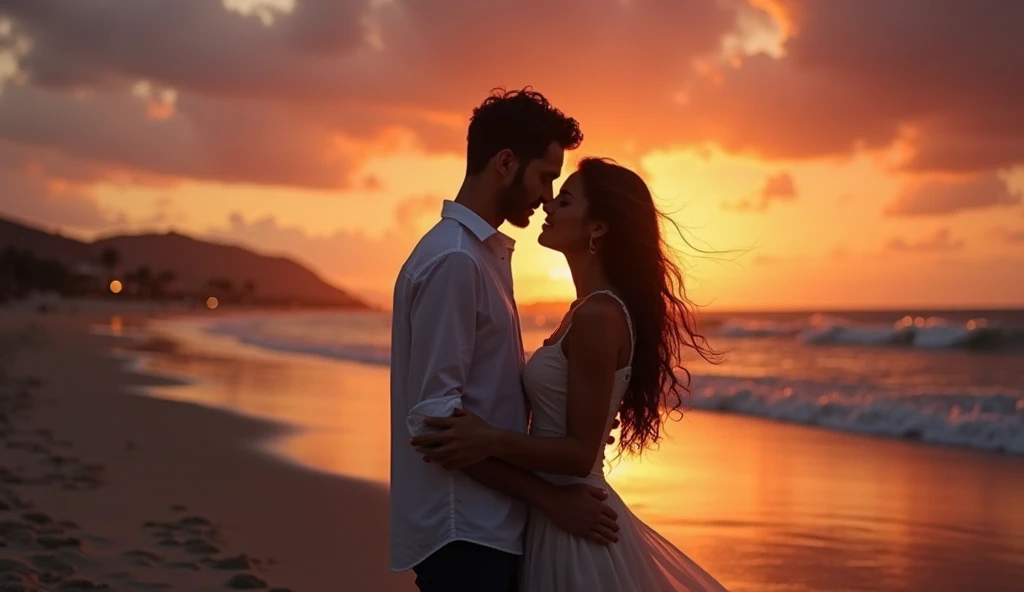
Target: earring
{"points": [[593, 247]]}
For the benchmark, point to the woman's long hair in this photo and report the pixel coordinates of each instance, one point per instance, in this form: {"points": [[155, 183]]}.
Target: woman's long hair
{"points": [[636, 260]]}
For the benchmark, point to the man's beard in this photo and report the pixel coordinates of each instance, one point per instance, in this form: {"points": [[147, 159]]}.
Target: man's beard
{"points": [[513, 204]]}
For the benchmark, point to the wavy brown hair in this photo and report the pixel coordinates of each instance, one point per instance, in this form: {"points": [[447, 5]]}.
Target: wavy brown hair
{"points": [[635, 258]]}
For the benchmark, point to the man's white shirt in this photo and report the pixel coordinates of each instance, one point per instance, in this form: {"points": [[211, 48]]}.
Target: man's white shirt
{"points": [[455, 338]]}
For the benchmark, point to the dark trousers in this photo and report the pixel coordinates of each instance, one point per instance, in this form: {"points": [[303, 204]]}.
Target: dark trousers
{"points": [[461, 566]]}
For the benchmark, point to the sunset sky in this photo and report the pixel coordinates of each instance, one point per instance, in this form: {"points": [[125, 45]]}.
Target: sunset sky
{"points": [[837, 154]]}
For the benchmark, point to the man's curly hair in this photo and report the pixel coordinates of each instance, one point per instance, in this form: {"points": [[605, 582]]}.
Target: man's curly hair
{"points": [[522, 121]]}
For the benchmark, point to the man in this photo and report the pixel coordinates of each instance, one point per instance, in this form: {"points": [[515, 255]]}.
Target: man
{"points": [[456, 342]]}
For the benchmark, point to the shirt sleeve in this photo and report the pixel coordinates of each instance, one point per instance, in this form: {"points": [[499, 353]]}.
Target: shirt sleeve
{"points": [[443, 333]]}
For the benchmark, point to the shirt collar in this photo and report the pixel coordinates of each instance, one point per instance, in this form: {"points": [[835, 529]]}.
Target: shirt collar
{"points": [[474, 223]]}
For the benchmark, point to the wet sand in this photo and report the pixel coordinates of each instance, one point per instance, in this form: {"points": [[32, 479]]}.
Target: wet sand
{"points": [[103, 489]]}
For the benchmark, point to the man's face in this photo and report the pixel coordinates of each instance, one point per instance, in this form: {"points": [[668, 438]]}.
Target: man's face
{"points": [[532, 187]]}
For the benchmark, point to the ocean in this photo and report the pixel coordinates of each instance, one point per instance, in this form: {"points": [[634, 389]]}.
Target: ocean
{"points": [[953, 378], [840, 452]]}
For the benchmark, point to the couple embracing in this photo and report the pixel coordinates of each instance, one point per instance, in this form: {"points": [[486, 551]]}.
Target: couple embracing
{"points": [[497, 481]]}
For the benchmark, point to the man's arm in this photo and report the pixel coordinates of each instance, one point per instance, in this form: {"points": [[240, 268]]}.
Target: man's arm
{"points": [[577, 509], [593, 358], [443, 336], [443, 327]]}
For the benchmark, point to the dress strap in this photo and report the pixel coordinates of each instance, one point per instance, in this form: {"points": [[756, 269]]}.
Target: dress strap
{"points": [[625, 310]]}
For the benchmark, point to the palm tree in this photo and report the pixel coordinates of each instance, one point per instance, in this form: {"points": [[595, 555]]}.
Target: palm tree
{"points": [[249, 291], [164, 279], [141, 280], [131, 282], [110, 258], [220, 287]]}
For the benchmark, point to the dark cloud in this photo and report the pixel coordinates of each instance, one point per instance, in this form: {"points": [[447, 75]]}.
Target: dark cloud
{"points": [[985, 141], [239, 98], [940, 75], [940, 241], [206, 139], [193, 44], [936, 198], [234, 99]]}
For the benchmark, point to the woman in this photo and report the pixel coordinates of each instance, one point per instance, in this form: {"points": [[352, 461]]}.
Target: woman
{"points": [[615, 352]]}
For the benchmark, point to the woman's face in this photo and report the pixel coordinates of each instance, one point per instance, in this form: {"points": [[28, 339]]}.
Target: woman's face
{"points": [[567, 228]]}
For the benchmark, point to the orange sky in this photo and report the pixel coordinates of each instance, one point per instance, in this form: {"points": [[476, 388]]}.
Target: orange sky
{"points": [[837, 169]]}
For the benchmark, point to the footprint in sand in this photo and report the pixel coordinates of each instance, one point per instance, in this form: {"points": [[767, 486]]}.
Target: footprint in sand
{"points": [[15, 574], [170, 541], [76, 585], [200, 547], [52, 563], [237, 562], [245, 582], [37, 518], [17, 533], [57, 542], [140, 553]]}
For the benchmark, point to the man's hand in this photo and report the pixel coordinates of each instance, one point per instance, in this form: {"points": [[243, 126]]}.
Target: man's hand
{"points": [[580, 510], [465, 440]]}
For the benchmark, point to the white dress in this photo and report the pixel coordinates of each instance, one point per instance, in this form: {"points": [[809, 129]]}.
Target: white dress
{"points": [[554, 560]]}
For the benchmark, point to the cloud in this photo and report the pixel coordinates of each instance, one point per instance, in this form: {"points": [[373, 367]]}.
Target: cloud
{"points": [[770, 260], [952, 106], [839, 253], [295, 92], [271, 92], [777, 188], [165, 214], [343, 254], [41, 187], [937, 198], [411, 211], [371, 183], [1008, 235], [940, 241], [206, 139], [51, 203]]}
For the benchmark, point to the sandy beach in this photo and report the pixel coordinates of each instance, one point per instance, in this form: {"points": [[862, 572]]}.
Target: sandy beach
{"points": [[166, 457], [100, 489]]}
